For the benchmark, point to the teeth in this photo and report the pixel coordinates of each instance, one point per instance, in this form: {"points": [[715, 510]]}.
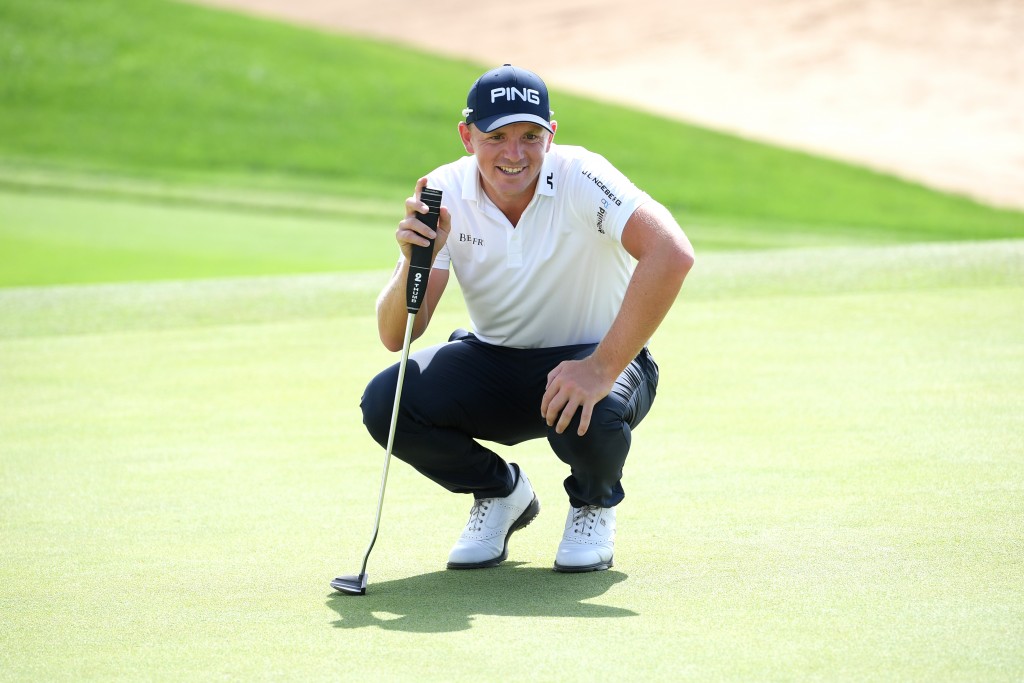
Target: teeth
{"points": [[510, 170]]}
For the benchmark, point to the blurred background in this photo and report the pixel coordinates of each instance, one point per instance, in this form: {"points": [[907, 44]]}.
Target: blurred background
{"points": [[931, 90], [786, 123]]}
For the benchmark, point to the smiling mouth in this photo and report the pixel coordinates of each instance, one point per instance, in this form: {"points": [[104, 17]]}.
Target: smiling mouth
{"points": [[511, 170]]}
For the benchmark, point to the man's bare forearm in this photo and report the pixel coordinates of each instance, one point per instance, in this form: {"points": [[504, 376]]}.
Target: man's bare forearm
{"points": [[652, 291], [392, 313]]}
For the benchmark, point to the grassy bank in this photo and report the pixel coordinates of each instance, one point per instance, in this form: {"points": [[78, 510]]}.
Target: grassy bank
{"points": [[190, 95]]}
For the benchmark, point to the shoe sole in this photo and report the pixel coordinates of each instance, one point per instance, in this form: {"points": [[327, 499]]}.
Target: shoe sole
{"points": [[597, 567], [529, 514]]}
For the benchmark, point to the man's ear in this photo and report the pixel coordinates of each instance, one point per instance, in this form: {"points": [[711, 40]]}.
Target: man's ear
{"points": [[554, 129], [467, 136]]}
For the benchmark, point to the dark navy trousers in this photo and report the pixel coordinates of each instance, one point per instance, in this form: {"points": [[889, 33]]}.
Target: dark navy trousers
{"points": [[465, 390]]}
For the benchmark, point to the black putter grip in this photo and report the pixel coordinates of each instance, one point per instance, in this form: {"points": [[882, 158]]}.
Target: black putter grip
{"points": [[422, 257]]}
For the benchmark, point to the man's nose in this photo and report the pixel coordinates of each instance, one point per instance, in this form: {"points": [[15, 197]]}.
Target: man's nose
{"points": [[514, 150]]}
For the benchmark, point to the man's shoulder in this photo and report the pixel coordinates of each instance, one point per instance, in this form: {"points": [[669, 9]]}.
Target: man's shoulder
{"points": [[573, 153], [451, 178], [455, 169], [579, 160]]}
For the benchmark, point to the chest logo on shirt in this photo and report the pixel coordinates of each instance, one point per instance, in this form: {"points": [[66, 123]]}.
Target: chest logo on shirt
{"points": [[473, 241]]}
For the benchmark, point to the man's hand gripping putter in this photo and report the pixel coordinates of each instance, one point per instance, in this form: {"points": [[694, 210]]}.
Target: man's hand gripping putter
{"points": [[422, 257]]}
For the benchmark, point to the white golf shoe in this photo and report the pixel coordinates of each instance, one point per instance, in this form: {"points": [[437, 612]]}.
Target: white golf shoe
{"points": [[484, 541], [588, 543]]}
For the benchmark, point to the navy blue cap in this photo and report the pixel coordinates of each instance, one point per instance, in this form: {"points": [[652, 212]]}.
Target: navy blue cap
{"points": [[507, 95]]}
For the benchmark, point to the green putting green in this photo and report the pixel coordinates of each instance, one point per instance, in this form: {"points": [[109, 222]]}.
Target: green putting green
{"points": [[828, 486]]}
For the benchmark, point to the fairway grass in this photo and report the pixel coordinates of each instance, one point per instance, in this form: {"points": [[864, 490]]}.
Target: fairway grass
{"points": [[86, 238], [61, 228], [829, 487]]}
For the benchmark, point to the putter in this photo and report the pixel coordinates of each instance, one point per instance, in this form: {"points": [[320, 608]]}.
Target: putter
{"points": [[415, 290]]}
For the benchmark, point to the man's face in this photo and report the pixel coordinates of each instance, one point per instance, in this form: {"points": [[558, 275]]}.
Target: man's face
{"points": [[509, 157]]}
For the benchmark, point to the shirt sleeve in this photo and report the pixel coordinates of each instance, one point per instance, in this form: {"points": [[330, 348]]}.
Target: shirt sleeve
{"points": [[602, 196], [443, 260]]}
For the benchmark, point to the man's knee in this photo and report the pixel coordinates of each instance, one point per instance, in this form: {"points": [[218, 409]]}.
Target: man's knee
{"points": [[608, 436], [377, 404]]}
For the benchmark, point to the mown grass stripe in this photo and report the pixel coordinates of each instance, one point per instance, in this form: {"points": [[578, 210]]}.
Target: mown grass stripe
{"points": [[85, 309]]}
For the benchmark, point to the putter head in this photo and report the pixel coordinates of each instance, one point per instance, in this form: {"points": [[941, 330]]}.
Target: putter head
{"points": [[350, 585]]}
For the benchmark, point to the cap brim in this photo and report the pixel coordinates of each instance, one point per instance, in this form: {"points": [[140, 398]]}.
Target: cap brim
{"points": [[492, 122]]}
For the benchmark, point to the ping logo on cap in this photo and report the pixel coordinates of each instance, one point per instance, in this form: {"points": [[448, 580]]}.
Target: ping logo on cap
{"points": [[507, 95], [512, 94]]}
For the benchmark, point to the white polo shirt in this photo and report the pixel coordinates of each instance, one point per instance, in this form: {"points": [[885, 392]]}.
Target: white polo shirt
{"points": [[559, 276]]}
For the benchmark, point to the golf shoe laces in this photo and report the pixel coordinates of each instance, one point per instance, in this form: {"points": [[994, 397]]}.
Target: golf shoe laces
{"points": [[583, 519], [477, 514]]}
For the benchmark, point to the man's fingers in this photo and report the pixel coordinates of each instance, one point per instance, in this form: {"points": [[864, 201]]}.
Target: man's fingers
{"points": [[585, 415], [420, 184], [553, 374], [411, 230], [566, 417], [565, 394], [414, 208], [414, 205], [558, 408], [550, 392], [407, 234], [551, 405]]}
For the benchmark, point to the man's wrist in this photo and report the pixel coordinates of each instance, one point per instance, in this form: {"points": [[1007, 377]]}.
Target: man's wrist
{"points": [[606, 364]]}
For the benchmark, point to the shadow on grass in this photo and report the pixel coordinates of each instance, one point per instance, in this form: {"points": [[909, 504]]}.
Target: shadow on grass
{"points": [[448, 600]]}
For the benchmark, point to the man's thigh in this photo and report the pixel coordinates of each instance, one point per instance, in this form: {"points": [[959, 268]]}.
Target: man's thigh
{"points": [[488, 392]]}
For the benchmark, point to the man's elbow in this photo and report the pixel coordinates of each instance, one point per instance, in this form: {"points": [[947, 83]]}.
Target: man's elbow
{"points": [[391, 339], [391, 344], [685, 260], [681, 259]]}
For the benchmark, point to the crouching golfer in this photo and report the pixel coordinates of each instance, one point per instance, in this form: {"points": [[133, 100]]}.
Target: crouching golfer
{"points": [[542, 238]]}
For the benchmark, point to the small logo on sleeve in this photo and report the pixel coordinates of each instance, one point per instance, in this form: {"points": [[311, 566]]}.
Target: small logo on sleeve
{"points": [[602, 213], [604, 188]]}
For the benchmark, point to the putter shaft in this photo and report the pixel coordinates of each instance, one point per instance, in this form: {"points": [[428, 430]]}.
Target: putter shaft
{"points": [[422, 257], [391, 435]]}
